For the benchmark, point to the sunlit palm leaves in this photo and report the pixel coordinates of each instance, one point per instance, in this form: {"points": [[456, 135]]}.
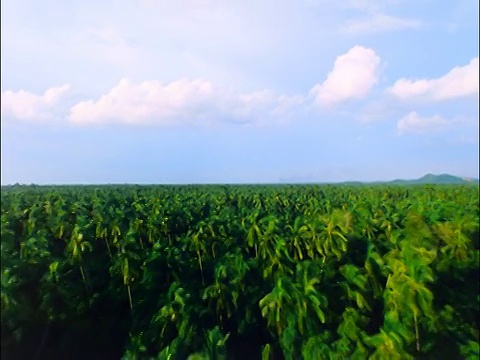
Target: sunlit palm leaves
{"points": [[300, 299], [334, 228], [76, 247]]}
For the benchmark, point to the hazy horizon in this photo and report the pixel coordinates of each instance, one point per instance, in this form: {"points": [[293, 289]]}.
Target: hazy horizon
{"points": [[279, 182]]}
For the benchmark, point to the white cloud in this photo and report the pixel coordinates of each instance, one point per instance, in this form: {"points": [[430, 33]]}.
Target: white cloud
{"points": [[190, 101], [353, 76], [415, 124], [461, 81], [379, 22], [24, 105], [146, 102]]}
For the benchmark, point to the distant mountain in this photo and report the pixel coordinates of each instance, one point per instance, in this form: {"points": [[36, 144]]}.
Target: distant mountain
{"points": [[425, 180], [437, 179]]}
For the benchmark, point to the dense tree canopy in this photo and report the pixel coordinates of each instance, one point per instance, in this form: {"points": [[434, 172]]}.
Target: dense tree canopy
{"points": [[261, 272]]}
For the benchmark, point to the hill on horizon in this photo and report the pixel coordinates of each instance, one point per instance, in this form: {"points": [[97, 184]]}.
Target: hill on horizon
{"points": [[427, 179], [437, 179]]}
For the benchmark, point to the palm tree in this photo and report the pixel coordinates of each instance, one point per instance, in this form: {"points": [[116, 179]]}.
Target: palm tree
{"points": [[355, 284], [76, 248], [101, 231], [387, 345], [455, 235], [269, 236], [308, 301], [254, 234], [115, 232], [298, 234], [334, 228], [352, 336], [228, 286], [405, 290], [197, 245], [122, 266], [273, 305], [299, 300]]}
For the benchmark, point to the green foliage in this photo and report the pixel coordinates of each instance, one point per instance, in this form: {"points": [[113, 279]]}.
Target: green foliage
{"points": [[214, 272]]}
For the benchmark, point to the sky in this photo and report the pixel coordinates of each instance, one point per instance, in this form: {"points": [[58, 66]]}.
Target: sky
{"points": [[206, 91]]}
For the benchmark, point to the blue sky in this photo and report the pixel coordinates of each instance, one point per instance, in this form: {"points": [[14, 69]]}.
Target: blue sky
{"points": [[205, 91]]}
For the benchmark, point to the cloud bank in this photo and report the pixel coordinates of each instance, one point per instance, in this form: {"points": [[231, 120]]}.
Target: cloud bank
{"points": [[199, 102], [413, 123], [461, 81], [25, 105], [186, 101]]}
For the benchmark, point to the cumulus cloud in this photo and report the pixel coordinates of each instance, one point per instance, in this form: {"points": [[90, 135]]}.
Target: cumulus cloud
{"points": [[146, 102], [379, 22], [353, 76], [461, 81], [25, 105], [415, 124], [191, 101]]}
